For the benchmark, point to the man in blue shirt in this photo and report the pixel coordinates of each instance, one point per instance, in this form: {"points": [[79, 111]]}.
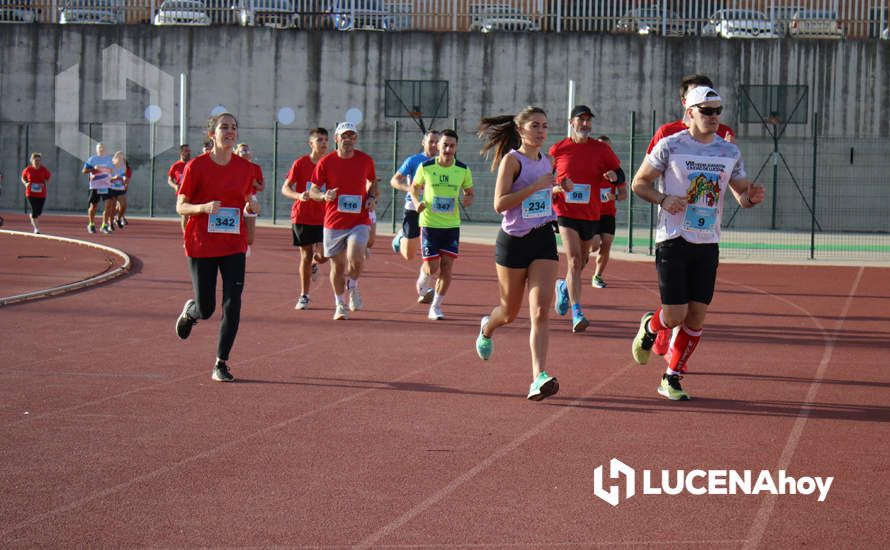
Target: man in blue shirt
{"points": [[407, 240]]}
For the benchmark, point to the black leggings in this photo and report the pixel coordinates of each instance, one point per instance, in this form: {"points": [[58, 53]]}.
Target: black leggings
{"points": [[231, 268]]}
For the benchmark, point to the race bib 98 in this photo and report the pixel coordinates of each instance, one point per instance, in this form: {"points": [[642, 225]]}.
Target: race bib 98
{"points": [[580, 194]]}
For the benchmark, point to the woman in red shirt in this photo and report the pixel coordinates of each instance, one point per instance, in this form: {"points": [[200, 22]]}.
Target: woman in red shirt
{"points": [[216, 195], [34, 178]]}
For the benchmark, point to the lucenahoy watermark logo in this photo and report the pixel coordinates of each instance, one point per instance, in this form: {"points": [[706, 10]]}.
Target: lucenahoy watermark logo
{"points": [[705, 482]]}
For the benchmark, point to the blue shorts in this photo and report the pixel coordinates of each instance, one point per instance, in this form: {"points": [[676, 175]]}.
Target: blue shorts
{"points": [[435, 242]]}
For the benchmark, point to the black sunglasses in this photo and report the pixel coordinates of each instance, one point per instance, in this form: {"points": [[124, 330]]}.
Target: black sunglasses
{"points": [[709, 111]]}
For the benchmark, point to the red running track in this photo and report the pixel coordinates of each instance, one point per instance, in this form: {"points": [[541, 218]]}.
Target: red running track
{"points": [[387, 431]]}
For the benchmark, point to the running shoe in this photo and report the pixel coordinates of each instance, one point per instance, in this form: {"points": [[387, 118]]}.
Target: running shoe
{"points": [[598, 282], [91, 228], [302, 303], [435, 313], [355, 299], [579, 323], [397, 242], [662, 342], [104, 229], [314, 274], [543, 386], [426, 296], [341, 313], [36, 231], [562, 297], [221, 373], [483, 344], [120, 224], [642, 344], [123, 222], [670, 387], [185, 322]]}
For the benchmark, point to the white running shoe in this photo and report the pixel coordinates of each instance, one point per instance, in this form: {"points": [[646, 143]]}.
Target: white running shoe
{"points": [[340, 313], [435, 313], [355, 299], [303, 302], [426, 296]]}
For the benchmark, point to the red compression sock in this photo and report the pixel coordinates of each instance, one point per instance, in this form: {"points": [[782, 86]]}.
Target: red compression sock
{"points": [[684, 344]]}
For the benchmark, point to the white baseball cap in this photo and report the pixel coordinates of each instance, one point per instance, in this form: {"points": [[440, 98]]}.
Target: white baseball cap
{"points": [[344, 127], [701, 94]]}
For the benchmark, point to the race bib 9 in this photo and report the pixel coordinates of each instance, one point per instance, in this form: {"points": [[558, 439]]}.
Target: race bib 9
{"points": [[349, 204], [37, 188], [538, 205], [226, 220], [604, 194], [700, 219]]}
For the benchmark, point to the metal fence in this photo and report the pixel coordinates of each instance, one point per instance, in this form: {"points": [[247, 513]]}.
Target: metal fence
{"points": [[728, 18], [827, 197]]}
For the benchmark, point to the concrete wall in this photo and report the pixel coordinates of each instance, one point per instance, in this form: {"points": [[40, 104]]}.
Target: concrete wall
{"points": [[256, 71]]}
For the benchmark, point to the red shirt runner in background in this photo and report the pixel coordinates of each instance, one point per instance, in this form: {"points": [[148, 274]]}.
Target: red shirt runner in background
{"points": [[678, 126], [203, 181], [304, 212], [175, 172], [583, 163], [36, 178], [349, 177]]}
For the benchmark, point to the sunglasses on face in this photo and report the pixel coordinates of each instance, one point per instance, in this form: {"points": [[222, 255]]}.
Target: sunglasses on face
{"points": [[709, 111]]}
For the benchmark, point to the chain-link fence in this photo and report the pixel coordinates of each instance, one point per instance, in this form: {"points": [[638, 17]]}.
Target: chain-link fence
{"points": [[827, 198]]}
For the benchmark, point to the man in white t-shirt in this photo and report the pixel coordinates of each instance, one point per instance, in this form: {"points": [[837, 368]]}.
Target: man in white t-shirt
{"points": [[697, 167], [100, 168]]}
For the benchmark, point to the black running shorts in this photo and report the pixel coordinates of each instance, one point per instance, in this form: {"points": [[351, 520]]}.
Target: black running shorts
{"points": [[686, 272], [587, 229], [520, 252]]}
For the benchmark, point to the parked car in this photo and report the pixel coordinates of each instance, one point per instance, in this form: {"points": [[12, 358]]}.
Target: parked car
{"points": [[182, 12], [92, 12], [816, 24], [650, 21], [361, 15], [739, 24], [17, 11], [500, 17], [280, 14]]}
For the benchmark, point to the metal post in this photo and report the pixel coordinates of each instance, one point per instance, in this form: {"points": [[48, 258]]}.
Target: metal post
{"points": [[571, 103], [454, 124], [183, 108], [630, 195], [27, 162], [275, 174], [151, 179], [775, 175], [813, 195], [652, 206], [395, 166]]}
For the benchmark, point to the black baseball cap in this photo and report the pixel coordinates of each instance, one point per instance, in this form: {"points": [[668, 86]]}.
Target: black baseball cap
{"points": [[580, 110]]}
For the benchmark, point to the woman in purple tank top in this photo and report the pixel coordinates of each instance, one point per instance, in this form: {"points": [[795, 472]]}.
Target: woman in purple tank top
{"points": [[525, 252]]}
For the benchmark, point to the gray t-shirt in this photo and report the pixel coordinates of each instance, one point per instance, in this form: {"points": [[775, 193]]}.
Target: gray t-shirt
{"points": [[701, 172]]}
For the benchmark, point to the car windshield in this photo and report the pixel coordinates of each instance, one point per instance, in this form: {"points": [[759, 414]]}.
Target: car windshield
{"points": [[92, 4], [497, 10], [183, 5], [812, 14], [745, 14]]}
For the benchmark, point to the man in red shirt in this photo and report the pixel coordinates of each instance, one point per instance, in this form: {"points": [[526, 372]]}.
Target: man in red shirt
{"points": [[610, 192], [35, 177], [585, 161], [350, 191], [307, 215], [174, 174], [689, 82]]}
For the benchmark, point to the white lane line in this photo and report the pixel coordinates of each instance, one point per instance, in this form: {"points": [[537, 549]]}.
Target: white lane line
{"points": [[764, 513]]}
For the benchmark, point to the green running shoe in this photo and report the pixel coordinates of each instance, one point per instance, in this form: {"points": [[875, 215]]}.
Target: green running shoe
{"points": [[483, 344], [670, 387], [543, 386], [598, 282], [642, 344]]}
